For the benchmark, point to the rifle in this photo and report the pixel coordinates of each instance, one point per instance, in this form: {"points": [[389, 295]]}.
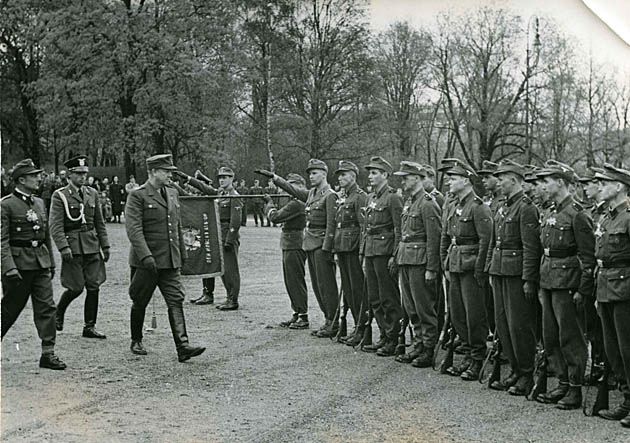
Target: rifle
{"points": [[343, 321], [400, 347], [540, 375], [446, 338], [602, 398], [494, 356], [367, 331]]}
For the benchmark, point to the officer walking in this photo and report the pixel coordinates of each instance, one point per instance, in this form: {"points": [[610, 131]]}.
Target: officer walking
{"points": [[293, 220], [566, 282], [418, 259], [349, 219], [613, 281], [463, 249], [78, 229], [381, 237], [152, 220], [513, 265], [257, 203], [318, 239], [27, 261]]}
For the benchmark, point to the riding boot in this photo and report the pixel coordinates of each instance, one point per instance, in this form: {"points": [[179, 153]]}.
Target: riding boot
{"points": [[137, 323], [178, 326], [64, 302], [90, 312]]}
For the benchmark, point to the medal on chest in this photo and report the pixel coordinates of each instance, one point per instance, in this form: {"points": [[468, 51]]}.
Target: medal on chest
{"points": [[405, 209], [459, 212], [372, 205], [501, 212], [598, 231], [551, 221], [31, 216]]}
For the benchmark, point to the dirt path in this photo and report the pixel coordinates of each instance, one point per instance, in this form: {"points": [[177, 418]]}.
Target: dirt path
{"points": [[256, 382]]}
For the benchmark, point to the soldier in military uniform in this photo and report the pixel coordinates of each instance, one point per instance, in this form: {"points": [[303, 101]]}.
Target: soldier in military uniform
{"points": [[418, 258], [318, 239], [152, 221], [566, 282], [513, 264], [257, 203], [27, 260], [613, 281], [243, 190], [293, 220], [428, 184], [230, 210], [463, 249], [349, 219], [78, 229], [381, 237]]}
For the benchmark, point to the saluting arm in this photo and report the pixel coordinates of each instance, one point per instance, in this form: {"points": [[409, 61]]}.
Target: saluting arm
{"points": [[299, 193], [291, 210]]}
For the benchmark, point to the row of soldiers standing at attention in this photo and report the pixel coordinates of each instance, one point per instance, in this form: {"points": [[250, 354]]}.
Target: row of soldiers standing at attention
{"points": [[529, 261]]}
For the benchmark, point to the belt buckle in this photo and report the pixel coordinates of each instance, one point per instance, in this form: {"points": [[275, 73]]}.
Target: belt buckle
{"points": [[546, 251], [600, 263], [339, 225], [34, 243], [453, 241]]}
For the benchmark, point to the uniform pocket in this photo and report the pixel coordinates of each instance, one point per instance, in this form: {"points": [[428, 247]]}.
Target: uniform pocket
{"points": [[618, 240], [512, 262], [618, 287], [466, 227]]}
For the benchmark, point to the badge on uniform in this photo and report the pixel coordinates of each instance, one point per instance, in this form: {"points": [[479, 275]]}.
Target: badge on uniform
{"points": [[551, 221], [501, 214], [31, 216], [459, 212], [150, 206], [598, 231], [405, 209], [372, 205]]}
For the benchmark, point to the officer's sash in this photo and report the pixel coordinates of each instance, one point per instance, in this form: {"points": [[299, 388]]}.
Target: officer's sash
{"points": [[202, 236]]}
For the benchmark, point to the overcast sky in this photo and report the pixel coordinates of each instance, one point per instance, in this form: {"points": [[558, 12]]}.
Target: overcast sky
{"points": [[576, 19]]}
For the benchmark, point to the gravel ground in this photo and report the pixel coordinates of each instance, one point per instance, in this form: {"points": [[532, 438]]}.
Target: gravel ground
{"points": [[256, 382]]}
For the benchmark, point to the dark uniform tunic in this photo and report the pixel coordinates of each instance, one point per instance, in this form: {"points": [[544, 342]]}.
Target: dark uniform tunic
{"points": [[463, 249], [349, 219], [76, 222], [513, 258], [381, 236], [494, 202], [26, 246], [152, 220], [566, 267], [613, 289], [293, 221], [419, 251], [318, 242]]}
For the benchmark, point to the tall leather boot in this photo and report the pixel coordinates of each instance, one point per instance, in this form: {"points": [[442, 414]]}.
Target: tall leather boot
{"points": [[180, 336], [64, 302], [90, 311], [136, 323], [207, 294], [572, 400]]}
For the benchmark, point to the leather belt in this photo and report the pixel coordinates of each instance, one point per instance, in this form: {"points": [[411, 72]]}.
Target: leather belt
{"points": [[559, 253], [608, 264], [292, 230], [342, 225], [380, 230], [510, 246], [80, 228], [464, 241], [26, 243], [413, 239], [315, 226]]}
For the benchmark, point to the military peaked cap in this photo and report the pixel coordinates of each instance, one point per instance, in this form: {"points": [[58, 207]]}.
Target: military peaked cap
{"points": [[554, 168], [77, 164], [613, 173], [161, 161], [347, 166], [509, 166], [24, 167], [380, 163], [316, 164], [224, 171], [410, 168], [488, 168]]}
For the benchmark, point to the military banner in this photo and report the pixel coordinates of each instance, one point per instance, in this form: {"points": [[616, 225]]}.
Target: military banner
{"points": [[202, 237]]}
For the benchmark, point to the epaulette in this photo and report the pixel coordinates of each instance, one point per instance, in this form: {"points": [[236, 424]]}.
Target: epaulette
{"points": [[392, 190], [478, 200], [577, 206], [360, 191], [527, 199], [6, 197], [428, 196]]}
